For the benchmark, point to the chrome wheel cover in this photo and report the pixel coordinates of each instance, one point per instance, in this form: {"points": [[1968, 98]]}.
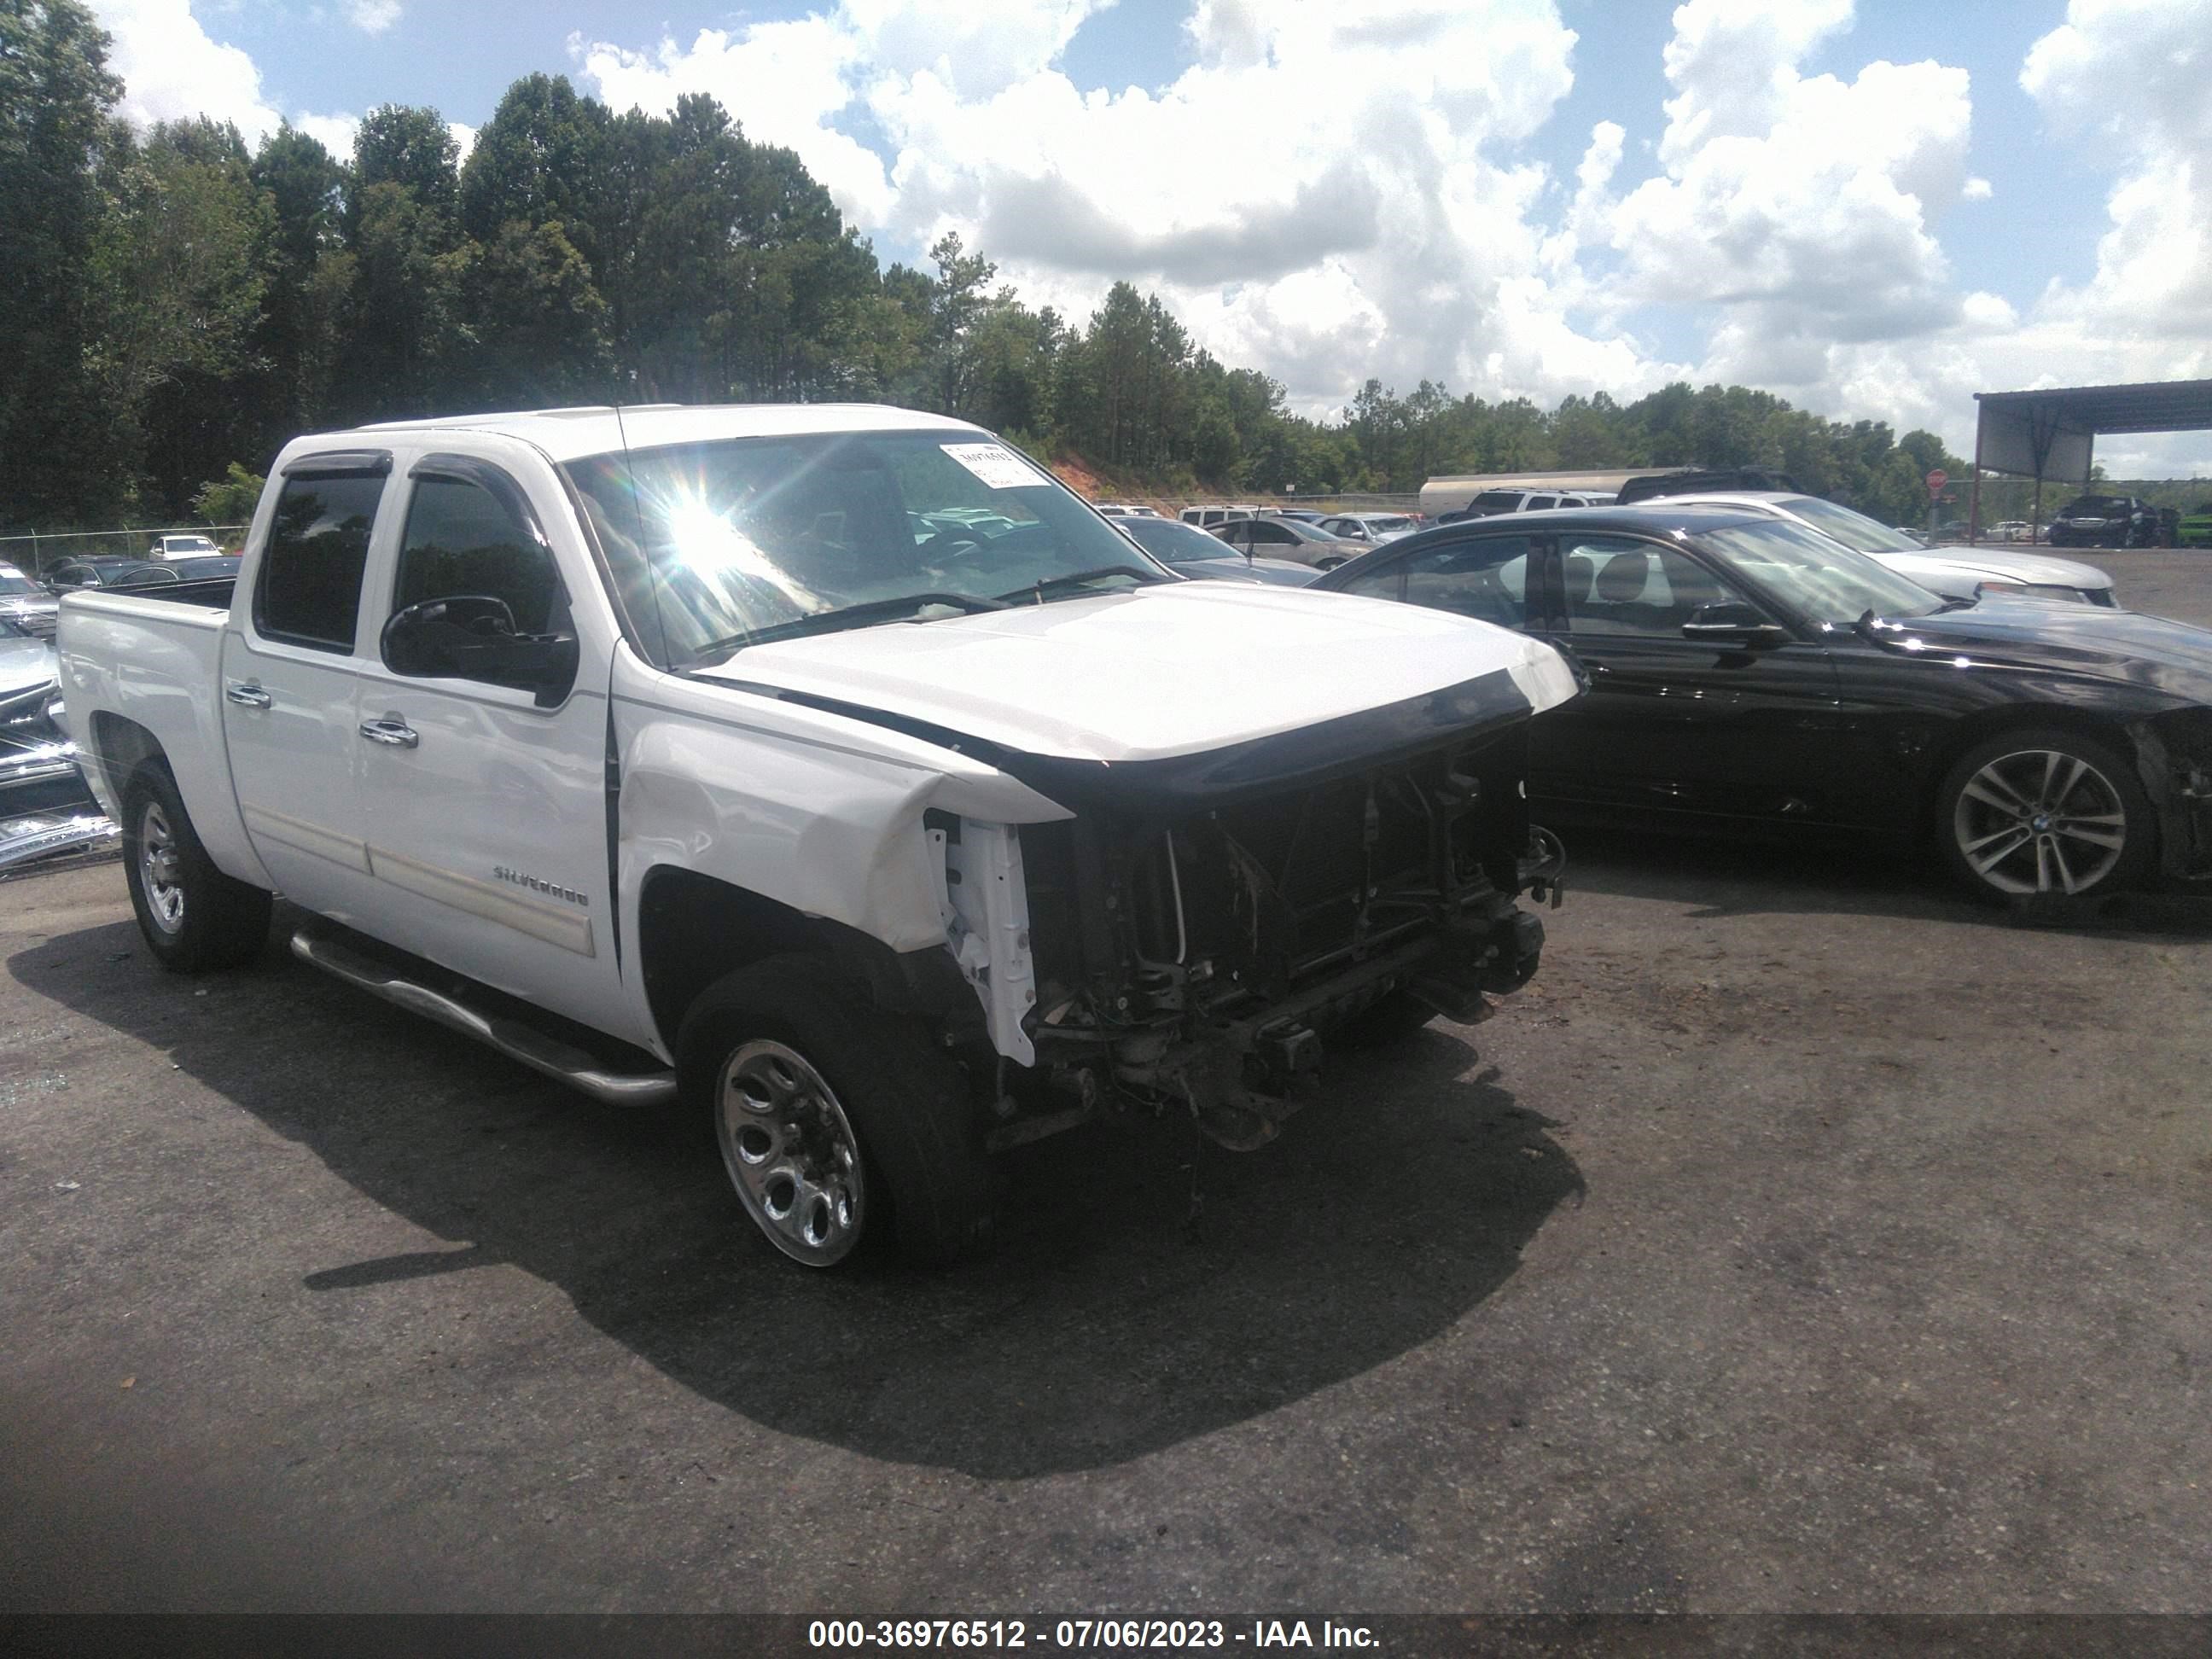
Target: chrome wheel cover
{"points": [[791, 1153], [161, 870], [2040, 821]]}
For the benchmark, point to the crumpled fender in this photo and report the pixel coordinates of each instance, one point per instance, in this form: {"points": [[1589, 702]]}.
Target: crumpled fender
{"points": [[814, 809]]}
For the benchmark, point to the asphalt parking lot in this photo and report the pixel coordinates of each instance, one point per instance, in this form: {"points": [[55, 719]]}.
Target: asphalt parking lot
{"points": [[1802, 1239]]}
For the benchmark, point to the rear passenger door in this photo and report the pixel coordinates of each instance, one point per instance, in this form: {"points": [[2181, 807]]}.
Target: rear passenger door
{"points": [[1484, 577], [289, 677]]}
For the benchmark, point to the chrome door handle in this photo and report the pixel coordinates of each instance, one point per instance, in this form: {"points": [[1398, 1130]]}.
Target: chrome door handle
{"points": [[396, 734], [247, 696]]}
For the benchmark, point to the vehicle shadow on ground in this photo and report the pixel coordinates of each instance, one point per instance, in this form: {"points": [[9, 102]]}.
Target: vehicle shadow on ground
{"points": [[1716, 878], [1119, 1317]]}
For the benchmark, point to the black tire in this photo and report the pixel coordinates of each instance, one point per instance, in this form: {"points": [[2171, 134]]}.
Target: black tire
{"points": [[2039, 827], [922, 1175], [1394, 1018], [196, 918]]}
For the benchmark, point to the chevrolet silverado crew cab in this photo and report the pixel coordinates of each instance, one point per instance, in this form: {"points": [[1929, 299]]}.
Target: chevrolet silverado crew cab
{"points": [[830, 769]]}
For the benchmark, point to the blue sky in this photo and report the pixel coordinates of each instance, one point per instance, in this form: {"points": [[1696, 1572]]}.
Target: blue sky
{"points": [[1871, 209]]}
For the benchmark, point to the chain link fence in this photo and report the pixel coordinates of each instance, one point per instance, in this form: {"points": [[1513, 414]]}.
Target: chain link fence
{"points": [[1349, 501], [35, 554]]}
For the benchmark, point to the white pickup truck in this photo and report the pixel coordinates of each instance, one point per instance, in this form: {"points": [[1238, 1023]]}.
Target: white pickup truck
{"points": [[829, 768]]}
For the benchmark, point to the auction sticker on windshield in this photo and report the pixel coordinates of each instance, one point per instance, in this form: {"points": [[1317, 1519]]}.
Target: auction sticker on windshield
{"points": [[995, 465]]}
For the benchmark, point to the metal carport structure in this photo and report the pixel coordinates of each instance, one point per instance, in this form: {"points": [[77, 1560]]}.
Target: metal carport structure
{"points": [[2051, 434]]}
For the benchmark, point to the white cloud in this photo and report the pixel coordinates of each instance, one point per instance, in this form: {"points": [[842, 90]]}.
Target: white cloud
{"points": [[1331, 192], [1327, 192], [335, 132], [1802, 207], [785, 81], [2130, 77], [171, 71], [373, 16]]}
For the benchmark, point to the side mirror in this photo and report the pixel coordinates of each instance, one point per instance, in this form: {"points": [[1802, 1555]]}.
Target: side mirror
{"points": [[1732, 622], [471, 636]]}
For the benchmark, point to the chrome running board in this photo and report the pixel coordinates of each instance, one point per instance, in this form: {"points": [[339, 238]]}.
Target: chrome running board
{"points": [[517, 1041]]}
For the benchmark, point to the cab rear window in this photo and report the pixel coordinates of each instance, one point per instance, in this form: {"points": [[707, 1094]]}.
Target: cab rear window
{"points": [[309, 590]]}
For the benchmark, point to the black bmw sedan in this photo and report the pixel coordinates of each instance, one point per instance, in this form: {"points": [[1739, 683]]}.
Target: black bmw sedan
{"points": [[1745, 674]]}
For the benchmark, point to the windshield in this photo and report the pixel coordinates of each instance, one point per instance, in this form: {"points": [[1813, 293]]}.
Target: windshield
{"points": [[1852, 529], [17, 585], [1386, 523], [1820, 580], [2095, 504], [176, 544], [1174, 543], [725, 541]]}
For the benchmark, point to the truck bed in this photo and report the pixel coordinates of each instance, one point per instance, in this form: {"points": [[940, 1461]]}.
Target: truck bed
{"points": [[141, 675]]}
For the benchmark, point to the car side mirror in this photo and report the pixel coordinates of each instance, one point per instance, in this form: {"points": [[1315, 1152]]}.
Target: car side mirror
{"points": [[471, 636], [1732, 622]]}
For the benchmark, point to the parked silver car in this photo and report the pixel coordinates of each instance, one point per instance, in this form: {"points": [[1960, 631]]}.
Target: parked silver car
{"points": [[1954, 572], [1192, 552], [23, 601], [1369, 529], [1271, 537]]}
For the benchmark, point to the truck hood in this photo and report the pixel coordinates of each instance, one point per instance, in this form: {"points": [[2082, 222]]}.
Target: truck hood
{"points": [[1157, 672]]}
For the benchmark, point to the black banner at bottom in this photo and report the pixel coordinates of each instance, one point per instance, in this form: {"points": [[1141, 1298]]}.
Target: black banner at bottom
{"points": [[554, 1636]]}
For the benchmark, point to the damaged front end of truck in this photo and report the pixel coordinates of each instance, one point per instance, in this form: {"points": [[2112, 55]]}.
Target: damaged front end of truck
{"points": [[1190, 941]]}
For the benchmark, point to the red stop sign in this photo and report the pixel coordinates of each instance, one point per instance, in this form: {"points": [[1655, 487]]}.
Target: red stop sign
{"points": [[1937, 479]]}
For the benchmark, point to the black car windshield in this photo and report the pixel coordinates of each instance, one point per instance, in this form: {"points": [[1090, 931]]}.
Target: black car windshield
{"points": [[1172, 542], [723, 541], [2097, 504], [1821, 580], [1852, 529]]}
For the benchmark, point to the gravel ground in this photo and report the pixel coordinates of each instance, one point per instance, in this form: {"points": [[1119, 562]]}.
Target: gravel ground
{"points": [[1802, 1239]]}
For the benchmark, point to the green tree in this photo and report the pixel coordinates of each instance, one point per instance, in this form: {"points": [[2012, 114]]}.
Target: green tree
{"points": [[58, 459], [310, 280], [408, 345], [542, 157], [229, 499], [407, 348], [540, 326], [410, 146], [180, 268]]}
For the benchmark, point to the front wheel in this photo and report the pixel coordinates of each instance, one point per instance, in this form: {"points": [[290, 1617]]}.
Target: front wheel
{"points": [[2043, 814], [195, 918], [840, 1123]]}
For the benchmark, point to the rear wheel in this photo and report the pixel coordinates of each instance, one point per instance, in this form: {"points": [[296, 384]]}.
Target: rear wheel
{"points": [[2043, 814], [195, 918], [840, 1124]]}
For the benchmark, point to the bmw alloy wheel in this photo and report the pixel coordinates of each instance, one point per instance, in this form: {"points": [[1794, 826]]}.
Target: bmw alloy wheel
{"points": [[2040, 821]]}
